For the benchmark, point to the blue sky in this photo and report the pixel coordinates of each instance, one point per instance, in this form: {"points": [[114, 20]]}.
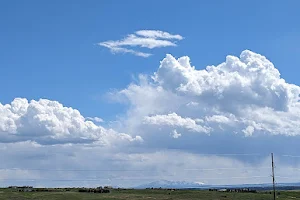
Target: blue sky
{"points": [[48, 49], [52, 51]]}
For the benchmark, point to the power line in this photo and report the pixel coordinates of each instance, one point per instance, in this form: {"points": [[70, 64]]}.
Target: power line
{"points": [[78, 170], [233, 154], [288, 177], [204, 154], [133, 170], [291, 156], [130, 178], [229, 168]]}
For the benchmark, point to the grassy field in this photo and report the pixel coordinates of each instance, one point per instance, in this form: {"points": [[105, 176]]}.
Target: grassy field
{"points": [[6, 194]]}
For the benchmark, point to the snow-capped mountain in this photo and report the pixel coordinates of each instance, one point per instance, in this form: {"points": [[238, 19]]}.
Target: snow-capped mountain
{"points": [[172, 184], [199, 185]]}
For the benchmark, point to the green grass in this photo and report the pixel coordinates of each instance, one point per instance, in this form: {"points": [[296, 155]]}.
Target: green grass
{"points": [[7, 194]]}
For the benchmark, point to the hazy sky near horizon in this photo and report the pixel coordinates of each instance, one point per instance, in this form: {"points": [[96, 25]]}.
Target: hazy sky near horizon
{"points": [[125, 93]]}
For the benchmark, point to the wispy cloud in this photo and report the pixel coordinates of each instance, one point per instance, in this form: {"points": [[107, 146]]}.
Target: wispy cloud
{"points": [[115, 49], [158, 34], [144, 39]]}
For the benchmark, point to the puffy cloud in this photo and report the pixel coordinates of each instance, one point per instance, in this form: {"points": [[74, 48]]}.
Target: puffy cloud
{"points": [[249, 130], [175, 134], [144, 38], [219, 119], [244, 95], [203, 114], [174, 120], [250, 79], [49, 122]]}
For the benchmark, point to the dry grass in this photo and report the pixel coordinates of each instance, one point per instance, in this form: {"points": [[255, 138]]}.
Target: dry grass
{"points": [[7, 194]]}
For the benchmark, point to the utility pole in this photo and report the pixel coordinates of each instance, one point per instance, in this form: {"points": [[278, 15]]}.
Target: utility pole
{"points": [[273, 176]]}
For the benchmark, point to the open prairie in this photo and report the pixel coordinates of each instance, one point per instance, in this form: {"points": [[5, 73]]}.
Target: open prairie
{"points": [[7, 194]]}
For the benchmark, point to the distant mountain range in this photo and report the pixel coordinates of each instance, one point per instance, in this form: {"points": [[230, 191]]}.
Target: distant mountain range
{"points": [[199, 185], [171, 184]]}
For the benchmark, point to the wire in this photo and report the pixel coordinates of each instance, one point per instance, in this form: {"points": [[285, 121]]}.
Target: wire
{"points": [[204, 154], [133, 170], [78, 170], [234, 154], [287, 177], [233, 168], [130, 178], [291, 156]]}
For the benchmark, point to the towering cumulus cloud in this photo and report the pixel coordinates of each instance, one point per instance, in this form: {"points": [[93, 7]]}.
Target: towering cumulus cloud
{"points": [[49, 122], [243, 95]]}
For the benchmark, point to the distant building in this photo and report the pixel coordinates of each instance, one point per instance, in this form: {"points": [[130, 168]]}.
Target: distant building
{"points": [[25, 189], [242, 190]]}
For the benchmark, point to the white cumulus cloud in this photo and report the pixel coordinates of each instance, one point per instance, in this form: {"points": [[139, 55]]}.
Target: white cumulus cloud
{"points": [[175, 134], [174, 120], [244, 95], [49, 122], [215, 125]]}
